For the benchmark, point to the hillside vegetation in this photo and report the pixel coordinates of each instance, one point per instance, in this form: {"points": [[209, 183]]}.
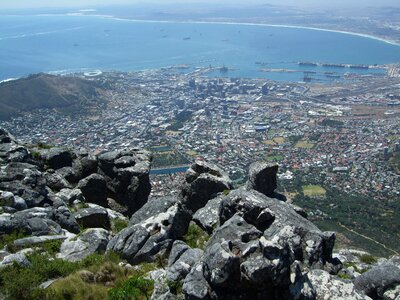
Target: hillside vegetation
{"points": [[48, 91]]}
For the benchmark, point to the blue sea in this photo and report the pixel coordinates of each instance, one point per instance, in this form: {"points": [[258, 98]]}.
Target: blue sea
{"points": [[48, 43]]}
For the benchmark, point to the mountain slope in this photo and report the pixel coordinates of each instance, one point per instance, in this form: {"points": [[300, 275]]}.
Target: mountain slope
{"points": [[47, 91]]}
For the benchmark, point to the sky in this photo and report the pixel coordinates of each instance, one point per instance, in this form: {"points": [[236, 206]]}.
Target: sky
{"points": [[7, 4]]}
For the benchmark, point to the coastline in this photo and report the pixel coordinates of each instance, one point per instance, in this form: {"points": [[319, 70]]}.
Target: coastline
{"points": [[364, 35], [116, 18]]}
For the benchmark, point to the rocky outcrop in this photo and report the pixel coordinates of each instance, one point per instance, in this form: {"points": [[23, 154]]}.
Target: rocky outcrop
{"points": [[90, 241], [330, 287], [203, 182], [93, 217], [262, 178], [259, 246], [379, 279], [151, 236], [127, 177], [94, 189]]}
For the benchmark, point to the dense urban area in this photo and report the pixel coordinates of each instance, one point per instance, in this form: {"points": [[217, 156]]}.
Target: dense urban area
{"points": [[342, 136]]}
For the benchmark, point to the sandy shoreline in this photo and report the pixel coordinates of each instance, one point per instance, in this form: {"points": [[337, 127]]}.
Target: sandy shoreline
{"points": [[391, 42]]}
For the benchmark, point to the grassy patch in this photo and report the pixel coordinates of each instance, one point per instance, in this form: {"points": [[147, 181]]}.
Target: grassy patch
{"points": [[269, 142], [304, 145], [7, 240], [196, 237], [17, 282], [367, 259], [313, 191], [274, 158], [135, 287], [118, 224], [279, 140]]}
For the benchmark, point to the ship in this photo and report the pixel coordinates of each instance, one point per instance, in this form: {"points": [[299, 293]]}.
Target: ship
{"points": [[223, 69], [359, 67], [186, 38], [307, 64], [333, 65]]}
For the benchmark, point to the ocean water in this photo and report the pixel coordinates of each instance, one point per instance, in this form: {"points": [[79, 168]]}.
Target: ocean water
{"points": [[48, 43]]}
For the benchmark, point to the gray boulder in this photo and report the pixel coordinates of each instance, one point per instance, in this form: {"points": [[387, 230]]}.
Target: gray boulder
{"points": [[178, 248], [127, 177], [18, 258], [69, 174], [11, 151], [26, 181], [151, 208], [35, 240], [143, 241], [39, 221], [262, 178], [203, 182], [57, 158], [89, 242], [182, 266], [94, 189], [69, 196], [332, 287], [55, 181], [379, 279], [85, 164], [281, 223], [195, 286], [207, 218], [34, 221], [93, 217]]}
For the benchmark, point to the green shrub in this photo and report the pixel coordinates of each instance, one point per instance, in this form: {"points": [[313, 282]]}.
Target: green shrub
{"points": [[7, 240], [119, 224], [367, 259], [226, 192], [344, 276], [135, 288], [196, 237], [175, 287]]}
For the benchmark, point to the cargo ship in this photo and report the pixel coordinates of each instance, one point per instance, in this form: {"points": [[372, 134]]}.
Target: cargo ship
{"points": [[359, 67], [307, 64], [334, 65]]}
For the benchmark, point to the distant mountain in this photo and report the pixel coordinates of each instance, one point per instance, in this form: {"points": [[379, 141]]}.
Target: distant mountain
{"points": [[48, 91]]}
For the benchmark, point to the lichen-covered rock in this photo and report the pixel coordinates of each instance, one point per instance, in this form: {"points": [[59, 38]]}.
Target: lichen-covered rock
{"points": [[68, 196], [182, 266], [17, 258], [207, 217], [178, 248], [143, 241], [90, 241], [280, 223], [151, 208], [203, 182], [35, 221], [55, 181], [331, 287], [380, 278], [195, 286], [26, 181]]}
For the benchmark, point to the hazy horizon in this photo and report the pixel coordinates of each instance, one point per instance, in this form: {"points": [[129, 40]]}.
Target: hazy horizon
{"points": [[24, 4]]}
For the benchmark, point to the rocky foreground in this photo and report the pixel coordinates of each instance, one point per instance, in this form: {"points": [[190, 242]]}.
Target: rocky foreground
{"points": [[256, 246]]}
